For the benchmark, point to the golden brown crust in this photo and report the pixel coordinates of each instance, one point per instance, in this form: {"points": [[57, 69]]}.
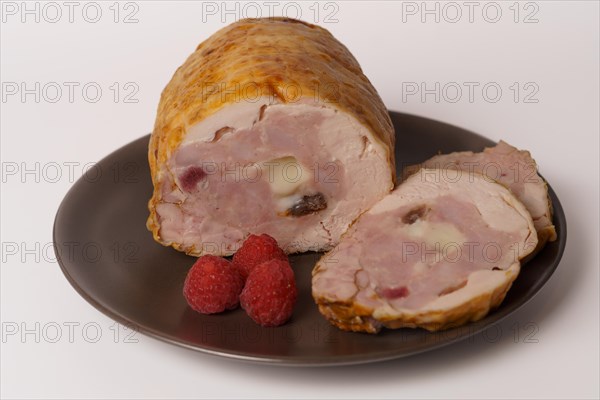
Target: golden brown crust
{"points": [[277, 57], [352, 317]]}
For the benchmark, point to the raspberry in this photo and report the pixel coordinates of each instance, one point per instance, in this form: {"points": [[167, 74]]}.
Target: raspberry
{"points": [[212, 285], [255, 251], [270, 293]]}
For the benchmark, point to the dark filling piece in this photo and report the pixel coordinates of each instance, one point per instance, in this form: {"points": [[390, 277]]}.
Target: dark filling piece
{"points": [[308, 205], [413, 215], [394, 292], [190, 178]]}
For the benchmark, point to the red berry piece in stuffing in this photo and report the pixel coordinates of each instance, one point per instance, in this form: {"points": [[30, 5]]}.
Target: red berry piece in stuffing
{"points": [[270, 293], [213, 285], [256, 250], [190, 178]]}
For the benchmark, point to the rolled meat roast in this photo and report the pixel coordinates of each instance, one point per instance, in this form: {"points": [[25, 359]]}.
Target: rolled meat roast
{"points": [[270, 126], [433, 254]]}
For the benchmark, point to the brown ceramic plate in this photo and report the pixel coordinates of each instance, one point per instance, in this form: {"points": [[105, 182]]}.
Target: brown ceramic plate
{"points": [[110, 258]]}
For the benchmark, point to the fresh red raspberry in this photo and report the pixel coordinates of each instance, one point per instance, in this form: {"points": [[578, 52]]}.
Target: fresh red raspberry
{"points": [[255, 251], [270, 293], [213, 285]]}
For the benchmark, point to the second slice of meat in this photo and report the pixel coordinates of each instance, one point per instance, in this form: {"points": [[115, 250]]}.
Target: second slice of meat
{"points": [[432, 254]]}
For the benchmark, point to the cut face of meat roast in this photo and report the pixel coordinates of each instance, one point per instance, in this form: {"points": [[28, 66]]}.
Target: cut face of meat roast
{"points": [[270, 126], [432, 254]]}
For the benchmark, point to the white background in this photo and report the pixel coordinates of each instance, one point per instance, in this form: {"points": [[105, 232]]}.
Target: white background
{"points": [[557, 54]]}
